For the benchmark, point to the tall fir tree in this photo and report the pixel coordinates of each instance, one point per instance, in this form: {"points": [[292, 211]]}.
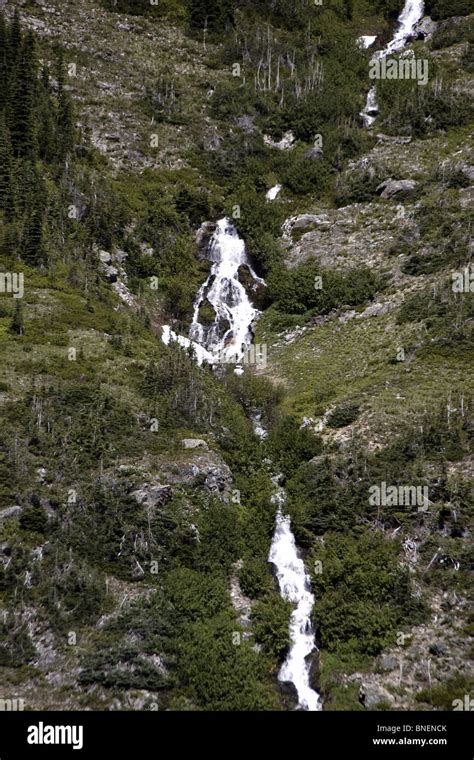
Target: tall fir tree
{"points": [[46, 119], [17, 325], [3, 63], [6, 158], [23, 118], [65, 129]]}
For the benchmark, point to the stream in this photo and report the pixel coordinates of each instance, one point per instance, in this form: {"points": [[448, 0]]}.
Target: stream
{"points": [[411, 14], [224, 340]]}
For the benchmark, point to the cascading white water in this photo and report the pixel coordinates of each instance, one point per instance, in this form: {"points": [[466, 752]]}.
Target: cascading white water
{"points": [[225, 340], [230, 332], [411, 14], [294, 584], [294, 587]]}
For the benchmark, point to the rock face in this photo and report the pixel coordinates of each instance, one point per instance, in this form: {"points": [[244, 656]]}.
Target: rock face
{"points": [[10, 512], [195, 443], [286, 142], [111, 266], [207, 470], [343, 237], [314, 154], [371, 695], [241, 603], [151, 495], [391, 187], [425, 28]]}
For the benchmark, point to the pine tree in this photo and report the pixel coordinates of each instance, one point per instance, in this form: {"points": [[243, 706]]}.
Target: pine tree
{"points": [[23, 118], [15, 38], [5, 163], [33, 238], [46, 118], [214, 15], [33, 205], [17, 324], [3, 63], [65, 129]]}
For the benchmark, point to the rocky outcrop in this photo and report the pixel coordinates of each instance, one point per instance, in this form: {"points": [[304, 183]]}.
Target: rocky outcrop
{"points": [[391, 187], [425, 28], [10, 512], [195, 443], [111, 266], [371, 695], [207, 470], [241, 603]]}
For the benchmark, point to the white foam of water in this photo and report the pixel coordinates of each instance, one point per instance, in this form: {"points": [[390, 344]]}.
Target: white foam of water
{"points": [[366, 40], [231, 332], [294, 587], [410, 16], [273, 192]]}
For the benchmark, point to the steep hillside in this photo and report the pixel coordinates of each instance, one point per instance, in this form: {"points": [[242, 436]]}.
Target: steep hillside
{"points": [[137, 489]]}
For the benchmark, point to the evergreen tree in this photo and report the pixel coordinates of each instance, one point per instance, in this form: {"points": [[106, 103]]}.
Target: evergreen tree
{"points": [[5, 163], [33, 238], [14, 41], [46, 119], [23, 118], [34, 204], [3, 63], [214, 15], [65, 129], [17, 325]]}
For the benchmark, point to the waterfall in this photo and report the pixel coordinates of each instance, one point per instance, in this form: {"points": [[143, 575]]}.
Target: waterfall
{"points": [[294, 584], [294, 587], [230, 332], [225, 339], [411, 14]]}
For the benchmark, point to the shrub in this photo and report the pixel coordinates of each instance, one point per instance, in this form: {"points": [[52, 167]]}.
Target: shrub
{"points": [[220, 670], [270, 622], [343, 415], [362, 595]]}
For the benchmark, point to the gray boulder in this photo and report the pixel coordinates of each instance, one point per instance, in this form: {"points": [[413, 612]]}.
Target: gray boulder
{"points": [[10, 513], [314, 154], [388, 662], [425, 28], [371, 694], [194, 443], [391, 187], [152, 495]]}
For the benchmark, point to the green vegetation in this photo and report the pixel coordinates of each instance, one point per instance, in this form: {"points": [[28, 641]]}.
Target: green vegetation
{"points": [[120, 545]]}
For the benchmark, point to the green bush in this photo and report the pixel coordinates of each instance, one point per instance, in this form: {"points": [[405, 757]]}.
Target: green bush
{"points": [[362, 595], [440, 9], [343, 415], [220, 670], [270, 622]]}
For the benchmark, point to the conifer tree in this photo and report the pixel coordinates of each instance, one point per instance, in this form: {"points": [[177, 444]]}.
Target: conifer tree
{"points": [[3, 63], [5, 163], [14, 40], [23, 121], [17, 324], [214, 15], [64, 120], [46, 118], [32, 244]]}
